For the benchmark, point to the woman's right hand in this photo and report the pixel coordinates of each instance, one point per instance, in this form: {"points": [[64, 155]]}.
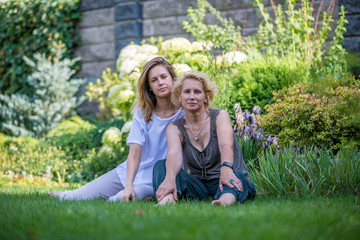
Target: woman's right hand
{"points": [[128, 194], [165, 188]]}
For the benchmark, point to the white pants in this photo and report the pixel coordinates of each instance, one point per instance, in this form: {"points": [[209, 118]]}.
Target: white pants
{"points": [[108, 186]]}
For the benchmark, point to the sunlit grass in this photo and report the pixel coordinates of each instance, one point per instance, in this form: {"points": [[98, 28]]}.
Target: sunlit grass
{"points": [[27, 212]]}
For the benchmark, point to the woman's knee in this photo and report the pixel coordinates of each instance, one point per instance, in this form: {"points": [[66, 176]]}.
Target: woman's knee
{"points": [[159, 167]]}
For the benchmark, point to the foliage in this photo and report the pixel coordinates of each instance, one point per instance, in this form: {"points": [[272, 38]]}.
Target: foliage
{"points": [[105, 160], [75, 137], [32, 26], [312, 172], [224, 34], [254, 80], [31, 157], [99, 90], [296, 31], [52, 96], [325, 113]]}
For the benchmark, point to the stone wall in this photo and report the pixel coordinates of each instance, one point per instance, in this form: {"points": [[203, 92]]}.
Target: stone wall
{"points": [[109, 25]]}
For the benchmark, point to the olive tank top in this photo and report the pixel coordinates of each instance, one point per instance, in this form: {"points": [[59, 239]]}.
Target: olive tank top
{"points": [[205, 165]]}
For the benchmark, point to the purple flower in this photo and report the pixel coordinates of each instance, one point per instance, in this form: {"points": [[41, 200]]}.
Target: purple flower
{"points": [[269, 140], [247, 131], [257, 110], [274, 141], [253, 118]]}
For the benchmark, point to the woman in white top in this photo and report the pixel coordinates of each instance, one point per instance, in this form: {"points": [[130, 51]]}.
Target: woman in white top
{"points": [[133, 178]]}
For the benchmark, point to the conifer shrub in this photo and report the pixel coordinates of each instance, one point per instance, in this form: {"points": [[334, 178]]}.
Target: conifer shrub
{"points": [[51, 98]]}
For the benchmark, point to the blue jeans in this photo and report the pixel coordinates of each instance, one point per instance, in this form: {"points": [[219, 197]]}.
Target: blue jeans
{"points": [[190, 187]]}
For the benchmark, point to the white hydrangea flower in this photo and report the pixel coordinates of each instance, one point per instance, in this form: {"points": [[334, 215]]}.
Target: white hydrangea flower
{"points": [[134, 77], [125, 96], [121, 93], [129, 65], [106, 148], [148, 49], [231, 57], [128, 51], [126, 127], [111, 137], [181, 68], [178, 44]]}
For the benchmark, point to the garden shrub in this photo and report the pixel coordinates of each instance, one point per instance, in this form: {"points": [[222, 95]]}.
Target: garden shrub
{"points": [[30, 156], [52, 96], [75, 137], [32, 26], [324, 114], [254, 80]]}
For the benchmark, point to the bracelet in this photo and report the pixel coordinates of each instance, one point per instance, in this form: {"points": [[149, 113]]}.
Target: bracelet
{"points": [[226, 164]]}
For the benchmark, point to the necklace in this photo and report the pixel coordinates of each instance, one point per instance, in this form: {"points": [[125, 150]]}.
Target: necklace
{"points": [[197, 134]]}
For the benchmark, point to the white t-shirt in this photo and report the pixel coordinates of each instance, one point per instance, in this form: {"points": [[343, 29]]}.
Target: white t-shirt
{"points": [[152, 137]]}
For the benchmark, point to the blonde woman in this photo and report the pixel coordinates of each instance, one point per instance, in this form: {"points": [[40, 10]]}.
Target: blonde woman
{"points": [[203, 139], [133, 179]]}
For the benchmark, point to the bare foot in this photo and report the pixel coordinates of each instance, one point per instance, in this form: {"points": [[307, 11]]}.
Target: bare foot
{"points": [[55, 194], [225, 200], [168, 199]]}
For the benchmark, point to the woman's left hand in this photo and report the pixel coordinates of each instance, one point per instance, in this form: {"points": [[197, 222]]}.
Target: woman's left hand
{"points": [[228, 177]]}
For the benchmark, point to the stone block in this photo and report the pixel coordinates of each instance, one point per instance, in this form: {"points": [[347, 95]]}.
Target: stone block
{"points": [[157, 9], [352, 44], [153, 9], [353, 26], [128, 29], [97, 35], [102, 52], [86, 5], [98, 17], [351, 6], [94, 69], [245, 18], [161, 26], [127, 11]]}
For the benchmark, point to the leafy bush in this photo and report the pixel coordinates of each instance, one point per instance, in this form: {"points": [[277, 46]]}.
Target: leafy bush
{"points": [[325, 113], [75, 137], [52, 96], [309, 173], [30, 156], [255, 80], [32, 26]]}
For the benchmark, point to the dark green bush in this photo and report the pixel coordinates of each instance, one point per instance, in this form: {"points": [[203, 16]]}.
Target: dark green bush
{"points": [[32, 26], [324, 114], [252, 82], [256, 79]]}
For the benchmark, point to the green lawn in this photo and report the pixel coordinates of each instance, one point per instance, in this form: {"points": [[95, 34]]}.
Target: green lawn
{"points": [[28, 213]]}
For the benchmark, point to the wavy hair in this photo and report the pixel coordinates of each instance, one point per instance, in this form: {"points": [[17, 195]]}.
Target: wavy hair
{"points": [[209, 87], [146, 98]]}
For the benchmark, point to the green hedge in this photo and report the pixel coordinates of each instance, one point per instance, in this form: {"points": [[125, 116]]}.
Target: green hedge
{"points": [[32, 26]]}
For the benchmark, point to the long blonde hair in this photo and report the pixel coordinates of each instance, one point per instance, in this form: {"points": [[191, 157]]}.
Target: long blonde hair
{"points": [[146, 98]]}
